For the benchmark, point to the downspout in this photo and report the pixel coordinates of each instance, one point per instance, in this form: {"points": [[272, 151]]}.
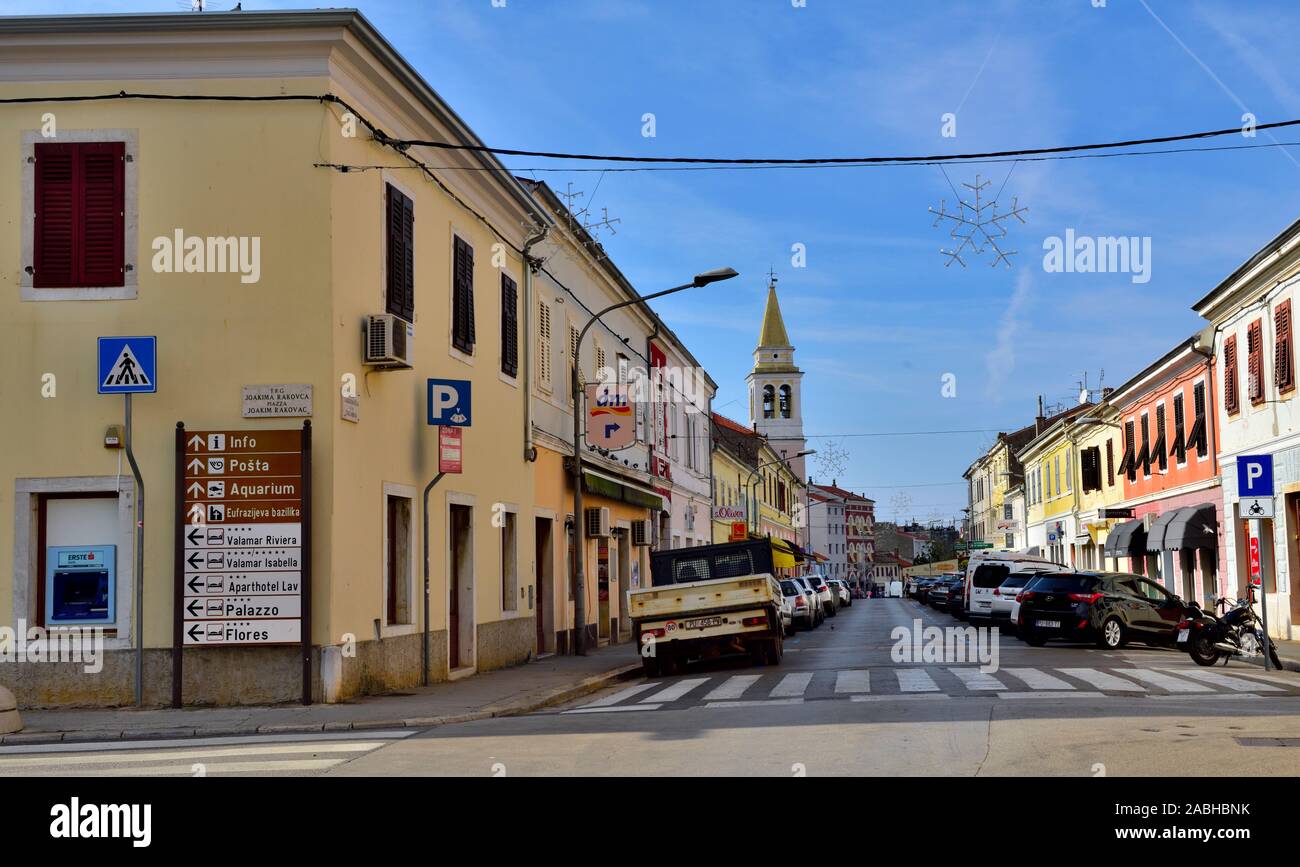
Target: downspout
{"points": [[530, 450], [651, 431]]}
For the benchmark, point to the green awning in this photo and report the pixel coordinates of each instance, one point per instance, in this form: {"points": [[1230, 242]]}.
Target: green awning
{"points": [[630, 494]]}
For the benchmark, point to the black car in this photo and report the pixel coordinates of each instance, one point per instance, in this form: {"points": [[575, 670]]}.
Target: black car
{"points": [[957, 600], [1109, 608], [921, 587], [939, 592]]}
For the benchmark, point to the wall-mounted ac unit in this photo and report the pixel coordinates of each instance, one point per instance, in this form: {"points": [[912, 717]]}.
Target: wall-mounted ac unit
{"points": [[597, 522], [386, 342], [641, 534]]}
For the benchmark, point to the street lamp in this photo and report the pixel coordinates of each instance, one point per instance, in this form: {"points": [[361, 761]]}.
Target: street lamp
{"points": [[580, 526]]}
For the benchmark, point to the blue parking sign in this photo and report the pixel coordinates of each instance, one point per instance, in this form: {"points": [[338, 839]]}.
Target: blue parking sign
{"points": [[449, 402], [128, 365], [1255, 476]]}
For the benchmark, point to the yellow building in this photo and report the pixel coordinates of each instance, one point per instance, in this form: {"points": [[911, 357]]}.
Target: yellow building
{"points": [[732, 467], [1095, 459], [302, 96], [1051, 492], [754, 480]]}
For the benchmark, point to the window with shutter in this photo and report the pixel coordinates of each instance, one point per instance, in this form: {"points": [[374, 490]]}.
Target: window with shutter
{"points": [[574, 335], [462, 296], [544, 344], [509, 326], [1128, 466], [1110, 462], [1231, 401], [400, 291], [1199, 435], [79, 226], [1144, 455], [600, 362], [1255, 362], [1283, 356], [1158, 450], [1179, 447]]}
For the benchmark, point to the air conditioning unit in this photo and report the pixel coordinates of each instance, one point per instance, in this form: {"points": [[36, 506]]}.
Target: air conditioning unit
{"points": [[597, 522], [641, 534], [387, 342]]}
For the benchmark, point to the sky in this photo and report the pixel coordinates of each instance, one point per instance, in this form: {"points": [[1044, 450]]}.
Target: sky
{"points": [[880, 318]]}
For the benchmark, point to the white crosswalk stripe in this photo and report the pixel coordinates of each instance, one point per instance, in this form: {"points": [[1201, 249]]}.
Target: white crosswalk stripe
{"points": [[1102, 680], [792, 685], [616, 697], [915, 680], [1165, 681], [973, 678], [675, 691], [853, 681], [1236, 684], [733, 687], [1036, 679]]}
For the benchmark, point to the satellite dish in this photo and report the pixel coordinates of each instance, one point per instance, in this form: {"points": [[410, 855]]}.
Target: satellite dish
{"points": [[1083, 396]]}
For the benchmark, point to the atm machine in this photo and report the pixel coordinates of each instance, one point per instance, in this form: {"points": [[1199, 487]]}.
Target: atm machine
{"points": [[80, 585]]}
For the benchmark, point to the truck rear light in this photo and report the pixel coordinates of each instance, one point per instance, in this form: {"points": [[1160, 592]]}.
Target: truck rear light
{"points": [[1086, 597], [755, 621], [657, 633]]}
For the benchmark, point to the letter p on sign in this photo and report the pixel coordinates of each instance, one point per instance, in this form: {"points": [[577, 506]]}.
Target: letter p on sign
{"points": [[449, 402], [1255, 476]]}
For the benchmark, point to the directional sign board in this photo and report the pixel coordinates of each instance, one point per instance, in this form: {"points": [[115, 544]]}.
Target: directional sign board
{"points": [[1255, 485], [610, 423], [449, 402], [243, 537], [128, 365]]}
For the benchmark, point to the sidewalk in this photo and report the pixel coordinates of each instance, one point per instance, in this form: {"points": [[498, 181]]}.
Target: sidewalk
{"points": [[505, 692]]}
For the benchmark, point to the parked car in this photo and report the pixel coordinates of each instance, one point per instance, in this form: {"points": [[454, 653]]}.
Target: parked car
{"points": [[1109, 608], [802, 611], [938, 595], [1004, 596], [1015, 603], [921, 590], [829, 603], [814, 600], [986, 571], [842, 590], [957, 600]]}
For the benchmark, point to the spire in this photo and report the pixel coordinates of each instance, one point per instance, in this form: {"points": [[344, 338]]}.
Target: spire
{"points": [[773, 333]]}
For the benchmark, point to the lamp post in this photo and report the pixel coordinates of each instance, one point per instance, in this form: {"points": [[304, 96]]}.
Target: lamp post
{"points": [[580, 527]]}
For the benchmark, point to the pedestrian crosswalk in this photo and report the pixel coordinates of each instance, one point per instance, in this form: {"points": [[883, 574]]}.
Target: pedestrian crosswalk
{"points": [[195, 757], [902, 682]]}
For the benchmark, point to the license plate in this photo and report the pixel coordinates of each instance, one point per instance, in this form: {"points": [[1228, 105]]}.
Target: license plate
{"points": [[1048, 624], [1182, 636], [701, 623]]}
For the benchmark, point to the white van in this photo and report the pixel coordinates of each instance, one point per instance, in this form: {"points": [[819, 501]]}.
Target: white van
{"points": [[988, 569]]}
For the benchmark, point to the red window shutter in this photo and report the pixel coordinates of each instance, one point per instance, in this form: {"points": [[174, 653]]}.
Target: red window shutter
{"points": [[102, 171], [1283, 357], [1230, 397], [57, 216]]}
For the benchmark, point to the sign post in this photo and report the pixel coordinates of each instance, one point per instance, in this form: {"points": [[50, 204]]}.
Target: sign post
{"points": [[449, 402], [1255, 502], [243, 543], [126, 366]]}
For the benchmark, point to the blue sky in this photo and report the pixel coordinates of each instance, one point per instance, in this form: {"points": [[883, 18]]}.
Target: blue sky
{"points": [[876, 316]]}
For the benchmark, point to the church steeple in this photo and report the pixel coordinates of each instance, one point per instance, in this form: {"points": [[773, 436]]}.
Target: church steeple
{"points": [[773, 335], [775, 408]]}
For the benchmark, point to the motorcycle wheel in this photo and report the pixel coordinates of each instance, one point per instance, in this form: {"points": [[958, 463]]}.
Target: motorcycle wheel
{"points": [[1202, 650]]}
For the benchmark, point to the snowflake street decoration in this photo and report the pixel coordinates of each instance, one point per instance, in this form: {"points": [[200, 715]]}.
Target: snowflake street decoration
{"points": [[977, 224], [831, 460]]}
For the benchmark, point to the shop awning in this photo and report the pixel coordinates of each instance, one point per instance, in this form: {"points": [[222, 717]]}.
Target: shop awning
{"points": [[1156, 535], [1193, 527], [783, 554], [1129, 539], [604, 486]]}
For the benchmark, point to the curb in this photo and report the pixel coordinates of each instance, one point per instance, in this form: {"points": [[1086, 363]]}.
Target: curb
{"points": [[527, 704]]}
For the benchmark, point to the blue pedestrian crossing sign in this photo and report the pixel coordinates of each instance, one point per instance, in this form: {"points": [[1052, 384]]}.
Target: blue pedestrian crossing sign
{"points": [[128, 365]]}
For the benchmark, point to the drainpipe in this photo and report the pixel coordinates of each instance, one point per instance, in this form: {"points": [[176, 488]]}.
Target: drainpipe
{"points": [[650, 425], [526, 363]]}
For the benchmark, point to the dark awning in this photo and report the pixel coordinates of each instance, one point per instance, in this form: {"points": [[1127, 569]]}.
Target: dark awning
{"points": [[1128, 539], [1156, 535], [1193, 527]]}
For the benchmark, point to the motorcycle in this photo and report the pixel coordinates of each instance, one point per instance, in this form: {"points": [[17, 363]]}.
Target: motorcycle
{"points": [[1234, 632]]}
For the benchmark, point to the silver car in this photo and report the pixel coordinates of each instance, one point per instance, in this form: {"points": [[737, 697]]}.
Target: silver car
{"points": [[841, 588], [814, 600], [824, 593], [797, 601]]}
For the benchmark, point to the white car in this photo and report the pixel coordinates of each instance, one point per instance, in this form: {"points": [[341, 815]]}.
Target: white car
{"points": [[846, 597], [824, 593], [1004, 597], [988, 569], [802, 612], [1015, 602]]}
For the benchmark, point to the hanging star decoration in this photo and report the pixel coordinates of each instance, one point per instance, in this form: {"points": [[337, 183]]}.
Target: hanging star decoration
{"points": [[976, 223], [831, 460]]}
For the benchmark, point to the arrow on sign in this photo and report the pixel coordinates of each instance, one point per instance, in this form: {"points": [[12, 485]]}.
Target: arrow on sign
{"points": [[610, 429], [194, 584], [192, 535], [196, 514], [194, 465], [195, 488], [194, 559], [193, 604], [191, 631], [197, 442]]}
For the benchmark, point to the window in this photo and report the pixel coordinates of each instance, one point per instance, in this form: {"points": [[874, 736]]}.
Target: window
{"points": [[600, 363], [1231, 399], [509, 563], [80, 225], [1069, 471], [785, 401], [509, 327], [1090, 468], [769, 395], [1144, 456], [1110, 462], [397, 560], [1160, 453], [544, 344], [1255, 362], [574, 334], [400, 289], [462, 296], [1057, 464], [1283, 357], [1128, 466], [1197, 436], [1179, 448]]}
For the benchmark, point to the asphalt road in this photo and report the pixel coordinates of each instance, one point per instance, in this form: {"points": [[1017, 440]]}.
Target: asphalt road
{"points": [[838, 704]]}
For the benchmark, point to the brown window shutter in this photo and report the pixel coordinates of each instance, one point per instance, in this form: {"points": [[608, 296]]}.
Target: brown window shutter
{"points": [[102, 176], [1159, 450], [1230, 396], [57, 216], [1179, 448], [509, 327], [1283, 357], [1255, 362], [462, 313], [400, 296], [1110, 461]]}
